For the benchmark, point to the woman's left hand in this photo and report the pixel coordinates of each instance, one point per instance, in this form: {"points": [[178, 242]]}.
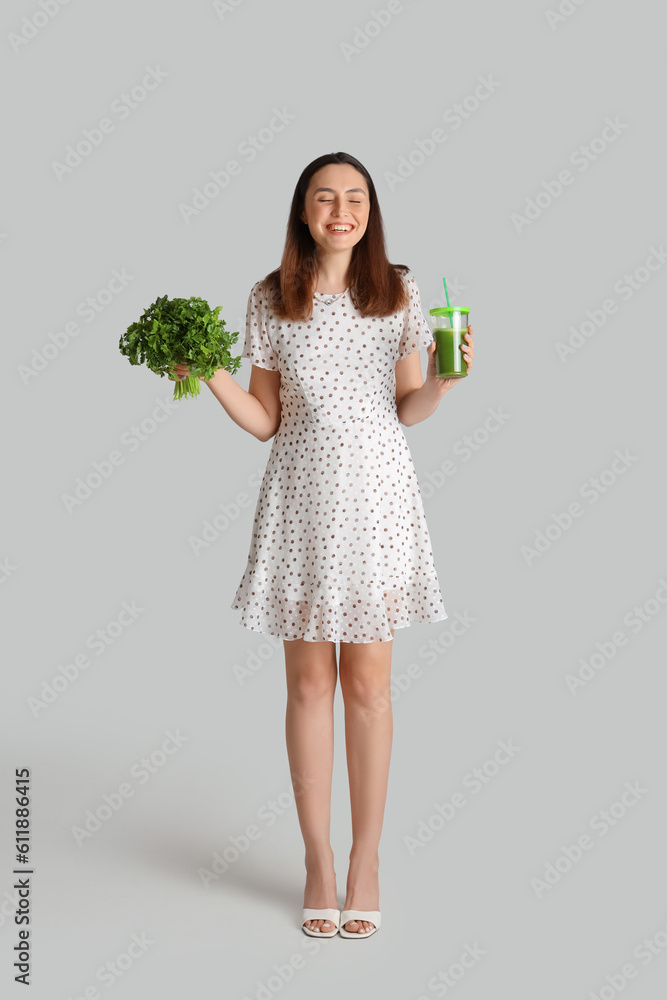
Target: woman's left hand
{"points": [[443, 385]]}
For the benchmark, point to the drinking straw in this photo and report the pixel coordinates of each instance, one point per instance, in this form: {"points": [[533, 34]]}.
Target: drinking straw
{"points": [[446, 292], [451, 318]]}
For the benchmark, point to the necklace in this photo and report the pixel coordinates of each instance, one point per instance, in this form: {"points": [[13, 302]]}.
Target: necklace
{"points": [[330, 298]]}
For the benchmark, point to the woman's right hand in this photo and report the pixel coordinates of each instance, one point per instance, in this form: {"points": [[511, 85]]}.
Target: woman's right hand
{"points": [[182, 372]]}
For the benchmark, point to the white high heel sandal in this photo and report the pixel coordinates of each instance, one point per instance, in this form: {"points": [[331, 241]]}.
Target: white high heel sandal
{"points": [[326, 914], [373, 917]]}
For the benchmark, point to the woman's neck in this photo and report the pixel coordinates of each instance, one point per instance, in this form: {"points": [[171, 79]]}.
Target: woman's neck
{"points": [[332, 274]]}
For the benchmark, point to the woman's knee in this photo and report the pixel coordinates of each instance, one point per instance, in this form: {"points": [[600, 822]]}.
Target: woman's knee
{"points": [[311, 670], [365, 673]]}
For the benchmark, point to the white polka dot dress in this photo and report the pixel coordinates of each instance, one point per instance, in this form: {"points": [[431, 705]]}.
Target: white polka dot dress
{"points": [[340, 549]]}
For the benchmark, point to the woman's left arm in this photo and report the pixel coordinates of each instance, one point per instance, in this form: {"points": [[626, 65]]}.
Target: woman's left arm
{"points": [[419, 404]]}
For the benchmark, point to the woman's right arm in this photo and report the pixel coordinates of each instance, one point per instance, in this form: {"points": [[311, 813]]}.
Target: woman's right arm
{"points": [[256, 410]]}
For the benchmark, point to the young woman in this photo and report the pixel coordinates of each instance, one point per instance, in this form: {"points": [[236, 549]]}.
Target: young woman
{"points": [[340, 549]]}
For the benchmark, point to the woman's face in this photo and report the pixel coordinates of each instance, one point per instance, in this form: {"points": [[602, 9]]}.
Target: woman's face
{"points": [[337, 194]]}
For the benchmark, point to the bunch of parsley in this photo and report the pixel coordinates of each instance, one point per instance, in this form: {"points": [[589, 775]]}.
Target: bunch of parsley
{"points": [[181, 331]]}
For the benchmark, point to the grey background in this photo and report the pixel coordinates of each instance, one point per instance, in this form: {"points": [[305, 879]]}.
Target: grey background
{"points": [[66, 574]]}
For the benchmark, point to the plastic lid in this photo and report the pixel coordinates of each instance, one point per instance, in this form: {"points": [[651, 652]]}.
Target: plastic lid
{"points": [[448, 310]]}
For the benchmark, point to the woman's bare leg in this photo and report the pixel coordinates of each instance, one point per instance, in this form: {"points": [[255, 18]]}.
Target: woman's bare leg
{"points": [[311, 674], [365, 677]]}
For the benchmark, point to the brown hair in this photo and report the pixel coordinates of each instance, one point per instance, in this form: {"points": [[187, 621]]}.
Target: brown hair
{"points": [[375, 285]]}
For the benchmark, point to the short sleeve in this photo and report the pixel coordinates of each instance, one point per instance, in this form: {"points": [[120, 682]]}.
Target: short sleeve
{"points": [[416, 331], [258, 347]]}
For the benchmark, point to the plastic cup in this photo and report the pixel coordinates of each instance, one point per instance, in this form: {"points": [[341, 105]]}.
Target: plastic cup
{"points": [[450, 324]]}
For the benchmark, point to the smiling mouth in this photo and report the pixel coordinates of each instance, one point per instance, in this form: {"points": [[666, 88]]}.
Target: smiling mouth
{"points": [[339, 229]]}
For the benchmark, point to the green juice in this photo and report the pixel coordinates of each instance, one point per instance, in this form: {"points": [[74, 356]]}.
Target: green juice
{"points": [[449, 360]]}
